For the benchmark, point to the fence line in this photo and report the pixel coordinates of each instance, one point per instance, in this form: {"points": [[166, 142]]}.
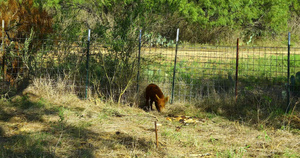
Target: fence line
{"points": [[186, 72]]}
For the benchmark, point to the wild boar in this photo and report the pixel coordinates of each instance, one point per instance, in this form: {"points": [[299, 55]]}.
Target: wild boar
{"points": [[154, 94]]}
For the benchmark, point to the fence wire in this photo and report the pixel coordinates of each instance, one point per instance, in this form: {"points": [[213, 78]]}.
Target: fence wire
{"points": [[201, 71]]}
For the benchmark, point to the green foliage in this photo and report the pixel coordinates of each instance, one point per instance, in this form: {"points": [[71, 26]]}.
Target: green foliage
{"points": [[295, 7], [111, 19], [119, 19]]}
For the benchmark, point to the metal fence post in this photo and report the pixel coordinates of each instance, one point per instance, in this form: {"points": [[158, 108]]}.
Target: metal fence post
{"points": [[87, 64], [236, 69], [3, 54], [288, 73], [139, 57], [174, 71]]}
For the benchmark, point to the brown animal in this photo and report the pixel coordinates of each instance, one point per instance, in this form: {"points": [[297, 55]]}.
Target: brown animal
{"points": [[154, 94]]}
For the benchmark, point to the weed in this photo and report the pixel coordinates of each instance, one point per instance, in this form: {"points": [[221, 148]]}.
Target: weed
{"points": [[212, 139], [266, 136], [61, 111]]}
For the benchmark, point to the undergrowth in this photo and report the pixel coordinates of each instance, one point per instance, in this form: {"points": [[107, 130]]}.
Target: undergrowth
{"points": [[48, 120]]}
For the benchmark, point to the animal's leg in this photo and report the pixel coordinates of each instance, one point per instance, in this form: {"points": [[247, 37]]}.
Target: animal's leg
{"points": [[150, 107], [147, 103]]}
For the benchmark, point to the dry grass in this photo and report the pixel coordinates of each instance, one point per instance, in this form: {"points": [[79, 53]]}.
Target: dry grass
{"points": [[48, 121]]}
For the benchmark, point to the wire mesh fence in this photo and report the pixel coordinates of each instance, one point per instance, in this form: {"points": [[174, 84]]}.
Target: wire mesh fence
{"points": [[13, 68], [201, 71], [112, 70]]}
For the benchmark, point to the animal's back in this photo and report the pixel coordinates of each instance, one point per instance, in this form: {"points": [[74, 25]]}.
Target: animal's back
{"points": [[152, 90]]}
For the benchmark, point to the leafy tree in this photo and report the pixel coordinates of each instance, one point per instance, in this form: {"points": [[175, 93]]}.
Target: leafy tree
{"points": [[22, 16]]}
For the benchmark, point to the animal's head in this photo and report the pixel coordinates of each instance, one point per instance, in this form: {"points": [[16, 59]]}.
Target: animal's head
{"points": [[161, 102]]}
